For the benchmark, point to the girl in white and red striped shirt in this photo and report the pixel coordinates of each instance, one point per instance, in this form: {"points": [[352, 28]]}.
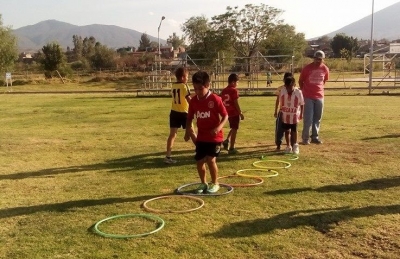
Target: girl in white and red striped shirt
{"points": [[292, 107]]}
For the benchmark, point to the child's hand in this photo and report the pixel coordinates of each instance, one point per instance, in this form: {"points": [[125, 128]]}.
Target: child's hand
{"points": [[214, 131], [275, 114], [241, 116], [186, 137]]}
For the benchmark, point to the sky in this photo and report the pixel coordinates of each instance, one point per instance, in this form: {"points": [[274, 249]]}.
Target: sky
{"points": [[313, 18]]}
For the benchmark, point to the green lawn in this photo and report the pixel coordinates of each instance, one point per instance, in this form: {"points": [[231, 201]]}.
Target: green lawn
{"points": [[70, 160]]}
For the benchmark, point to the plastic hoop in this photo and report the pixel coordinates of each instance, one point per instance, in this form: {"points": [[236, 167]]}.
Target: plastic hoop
{"points": [[292, 156], [200, 201], [272, 167], [275, 173], [179, 190], [260, 181], [158, 219]]}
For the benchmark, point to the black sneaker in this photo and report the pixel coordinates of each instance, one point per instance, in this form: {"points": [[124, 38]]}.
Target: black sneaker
{"points": [[316, 141], [225, 144]]}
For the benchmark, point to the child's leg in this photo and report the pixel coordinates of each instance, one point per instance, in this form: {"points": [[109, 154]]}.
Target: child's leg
{"points": [[212, 166], [287, 137], [229, 136], [233, 133], [201, 169], [278, 131], [293, 137], [170, 141], [293, 140]]}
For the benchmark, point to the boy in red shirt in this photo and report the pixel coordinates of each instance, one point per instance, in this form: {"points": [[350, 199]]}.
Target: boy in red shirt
{"points": [[211, 117], [230, 97]]}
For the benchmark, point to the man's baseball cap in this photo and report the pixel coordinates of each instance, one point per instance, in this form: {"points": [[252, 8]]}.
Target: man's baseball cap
{"points": [[319, 54]]}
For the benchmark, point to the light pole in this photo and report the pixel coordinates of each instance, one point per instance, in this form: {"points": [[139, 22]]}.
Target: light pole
{"points": [[371, 50], [159, 26]]}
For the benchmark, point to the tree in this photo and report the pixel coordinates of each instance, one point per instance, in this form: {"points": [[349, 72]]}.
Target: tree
{"points": [[144, 42], [175, 41], [195, 30], [53, 57], [103, 57], [237, 32], [8, 47], [247, 27], [89, 45], [342, 41], [285, 41], [204, 42], [78, 47]]}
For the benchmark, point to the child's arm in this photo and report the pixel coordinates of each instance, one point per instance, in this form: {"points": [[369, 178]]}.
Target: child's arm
{"points": [[276, 106], [188, 129], [237, 106], [301, 111], [221, 124]]}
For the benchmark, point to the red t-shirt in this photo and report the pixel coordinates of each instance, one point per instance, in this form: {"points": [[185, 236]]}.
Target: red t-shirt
{"points": [[229, 95], [208, 112], [314, 78]]}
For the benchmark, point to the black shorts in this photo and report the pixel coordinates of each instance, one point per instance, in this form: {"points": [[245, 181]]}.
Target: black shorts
{"points": [[291, 127], [177, 119], [204, 149], [234, 122]]}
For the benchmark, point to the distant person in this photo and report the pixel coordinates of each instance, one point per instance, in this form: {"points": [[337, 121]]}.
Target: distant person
{"points": [[312, 81], [279, 132], [291, 106], [211, 117], [230, 98], [180, 94], [269, 78]]}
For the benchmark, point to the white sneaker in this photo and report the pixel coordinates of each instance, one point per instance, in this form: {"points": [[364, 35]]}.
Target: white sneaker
{"points": [[169, 160], [288, 149], [296, 149]]}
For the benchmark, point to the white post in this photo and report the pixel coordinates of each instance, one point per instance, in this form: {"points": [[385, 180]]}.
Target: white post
{"points": [[371, 49], [159, 49]]}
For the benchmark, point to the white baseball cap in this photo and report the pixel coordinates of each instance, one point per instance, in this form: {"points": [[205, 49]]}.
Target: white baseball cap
{"points": [[319, 54]]}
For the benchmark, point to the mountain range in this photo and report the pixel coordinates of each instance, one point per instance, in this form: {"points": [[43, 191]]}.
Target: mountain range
{"points": [[34, 37], [386, 25]]}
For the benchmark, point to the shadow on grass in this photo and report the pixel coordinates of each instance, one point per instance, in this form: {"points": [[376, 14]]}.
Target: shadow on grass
{"points": [[68, 205], [384, 136], [132, 163], [373, 184], [321, 220]]}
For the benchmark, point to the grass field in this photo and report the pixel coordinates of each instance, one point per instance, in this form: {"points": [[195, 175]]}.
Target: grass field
{"points": [[70, 160]]}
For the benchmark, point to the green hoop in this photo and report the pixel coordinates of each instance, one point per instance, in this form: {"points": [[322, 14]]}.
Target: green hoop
{"points": [[240, 172], [287, 164], [158, 219]]}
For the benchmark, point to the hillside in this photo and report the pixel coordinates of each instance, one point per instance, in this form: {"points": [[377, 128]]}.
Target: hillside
{"points": [[34, 37], [386, 23]]}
